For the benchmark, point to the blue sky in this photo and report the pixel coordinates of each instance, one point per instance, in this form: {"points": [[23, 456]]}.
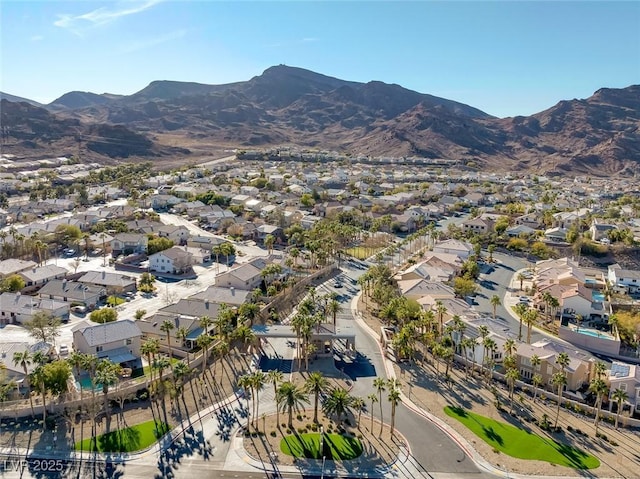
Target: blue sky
{"points": [[506, 58]]}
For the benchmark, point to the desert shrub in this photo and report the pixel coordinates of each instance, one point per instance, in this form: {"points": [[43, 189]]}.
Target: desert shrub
{"points": [[273, 434]]}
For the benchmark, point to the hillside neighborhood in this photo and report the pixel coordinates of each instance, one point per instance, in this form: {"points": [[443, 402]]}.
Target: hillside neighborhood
{"points": [[144, 269]]}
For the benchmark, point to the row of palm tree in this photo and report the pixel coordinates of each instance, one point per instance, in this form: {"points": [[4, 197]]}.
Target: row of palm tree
{"points": [[334, 401]]}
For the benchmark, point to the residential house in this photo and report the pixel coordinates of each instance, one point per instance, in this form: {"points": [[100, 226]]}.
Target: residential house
{"points": [[263, 231], [18, 308], [518, 231], [600, 231], [73, 292], [175, 260], [114, 283], [230, 296], [461, 249], [626, 377], [42, 274], [578, 371], [15, 372], [129, 243], [119, 341], [150, 328], [625, 280], [417, 288], [478, 226], [246, 276], [9, 267], [178, 234]]}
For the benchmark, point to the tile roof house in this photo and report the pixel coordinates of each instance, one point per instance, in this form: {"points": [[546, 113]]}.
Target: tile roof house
{"points": [[42, 274], [114, 283], [9, 267], [73, 292], [129, 243], [175, 260], [627, 280], [216, 294], [626, 377], [17, 308], [119, 340], [462, 249], [246, 276]]}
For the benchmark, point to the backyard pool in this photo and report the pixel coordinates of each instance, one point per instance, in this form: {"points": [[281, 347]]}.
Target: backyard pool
{"points": [[85, 383], [594, 333], [597, 297]]}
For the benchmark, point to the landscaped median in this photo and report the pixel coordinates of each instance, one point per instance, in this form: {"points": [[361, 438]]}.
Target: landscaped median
{"points": [[128, 439], [522, 444]]}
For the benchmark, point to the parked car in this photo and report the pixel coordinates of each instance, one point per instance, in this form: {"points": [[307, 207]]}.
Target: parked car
{"points": [[337, 284], [79, 309], [524, 299]]}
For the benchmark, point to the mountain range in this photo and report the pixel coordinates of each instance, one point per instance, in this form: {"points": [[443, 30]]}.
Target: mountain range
{"points": [[284, 105]]}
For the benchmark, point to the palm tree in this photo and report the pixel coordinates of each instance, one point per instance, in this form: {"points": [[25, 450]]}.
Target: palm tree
{"points": [[509, 347], [205, 323], [338, 402], [244, 382], [359, 405], [620, 396], [181, 371], [24, 360], [465, 345], [374, 399], [599, 387], [166, 327], [495, 302], [559, 380], [290, 398], [204, 341], [537, 381], [394, 399], [107, 374], [316, 384], [489, 346], [149, 349], [521, 310], [535, 364], [275, 376], [380, 386], [441, 309], [563, 361], [600, 369], [530, 317], [334, 308], [511, 376], [182, 334], [258, 380], [245, 335], [521, 278]]}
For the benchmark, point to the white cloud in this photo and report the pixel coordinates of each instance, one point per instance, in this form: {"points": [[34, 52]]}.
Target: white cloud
{"points": [[102, 16], [152, 42]]}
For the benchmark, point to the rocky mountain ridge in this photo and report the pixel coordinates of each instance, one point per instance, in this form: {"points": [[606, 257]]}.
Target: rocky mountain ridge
{"points": [[599, 135]]}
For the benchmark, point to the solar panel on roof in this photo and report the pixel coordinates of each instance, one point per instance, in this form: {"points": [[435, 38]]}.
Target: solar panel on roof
{"points": [[619, 370]]}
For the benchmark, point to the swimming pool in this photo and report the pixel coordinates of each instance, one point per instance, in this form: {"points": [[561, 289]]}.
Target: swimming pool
{"points": [[597, 297], [594, 333]]}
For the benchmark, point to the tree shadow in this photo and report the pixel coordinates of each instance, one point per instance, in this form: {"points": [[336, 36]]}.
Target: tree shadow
{"points": [[189, 444]]}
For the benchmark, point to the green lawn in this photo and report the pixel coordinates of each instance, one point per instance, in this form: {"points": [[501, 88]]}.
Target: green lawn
{"points": [[336, 447], [115, 301], [129, 439], [522, 444]]}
